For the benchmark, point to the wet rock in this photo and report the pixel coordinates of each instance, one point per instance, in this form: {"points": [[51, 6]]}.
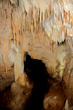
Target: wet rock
{"points": [[55, 98]]}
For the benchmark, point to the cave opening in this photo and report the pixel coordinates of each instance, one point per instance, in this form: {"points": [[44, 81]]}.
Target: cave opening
{"points": [[36, 73], [41, 93]]}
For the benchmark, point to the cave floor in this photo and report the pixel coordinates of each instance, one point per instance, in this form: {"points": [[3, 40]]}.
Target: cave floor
{"points": [[16, 96]]}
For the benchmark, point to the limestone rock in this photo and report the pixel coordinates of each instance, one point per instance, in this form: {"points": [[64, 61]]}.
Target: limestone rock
{"points": [[68, 73], [68, 105], [20, 95], [68, 78], [15, 2], [14, 97], [6, 79], [22, 80], [55, 98]]}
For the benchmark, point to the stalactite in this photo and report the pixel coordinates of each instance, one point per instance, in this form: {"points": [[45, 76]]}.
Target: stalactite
{"points": [[35, 19], [10, 44], [23, 22], [22, 48], [40, 13], [27, 20], [63, 35], [69, 16], [34, 15], [66, 17], [40, 16], [61, 18], [5, 45], [51, 36], [33, 36], [17, 39], [13, 31], [54, 60], [43, 16], [48, 12], [72, 21], [17, 65]]}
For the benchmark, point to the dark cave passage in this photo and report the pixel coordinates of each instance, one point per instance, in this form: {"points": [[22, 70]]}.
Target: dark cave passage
{"points": [[42, 93], [43, 86], [36, 72], [5, 98]]}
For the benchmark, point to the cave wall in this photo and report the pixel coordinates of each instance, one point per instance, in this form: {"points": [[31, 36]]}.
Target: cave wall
{"points": [[39, 28]]}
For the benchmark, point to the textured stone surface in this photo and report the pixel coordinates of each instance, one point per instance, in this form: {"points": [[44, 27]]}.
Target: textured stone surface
{"points": [[21, 31], [15, 97], [22, 80], [6, 79], [20, 96], [16, 27], [55, 98]]}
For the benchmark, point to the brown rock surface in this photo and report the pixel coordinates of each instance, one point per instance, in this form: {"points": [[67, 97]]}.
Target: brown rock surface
{"points": [[21, 31], [55, 98], [6, 79], [68, 73], [15, 97], [20, 95]]}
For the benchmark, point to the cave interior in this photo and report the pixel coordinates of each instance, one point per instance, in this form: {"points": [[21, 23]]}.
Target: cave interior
{"points": [[36, 54]]}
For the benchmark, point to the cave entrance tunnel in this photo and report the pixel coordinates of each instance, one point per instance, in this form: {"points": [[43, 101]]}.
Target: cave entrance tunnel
{"points": [[36, 72], [41, 91], [43, 84]]}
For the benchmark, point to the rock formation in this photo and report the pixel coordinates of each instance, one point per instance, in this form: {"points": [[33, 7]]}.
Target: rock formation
{"points": [[44, 29]]}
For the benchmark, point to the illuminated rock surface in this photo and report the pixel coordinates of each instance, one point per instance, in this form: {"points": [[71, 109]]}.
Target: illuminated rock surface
{"points": [[44, 29]]}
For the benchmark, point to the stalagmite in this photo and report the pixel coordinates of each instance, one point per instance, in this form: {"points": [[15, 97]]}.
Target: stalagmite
{"points": [[17, 65], [67, 105]]}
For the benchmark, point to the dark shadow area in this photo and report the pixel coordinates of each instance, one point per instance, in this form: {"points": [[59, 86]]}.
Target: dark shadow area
{"points": [[16, 97], [63, 42], [36, 72], [5, 98]]}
